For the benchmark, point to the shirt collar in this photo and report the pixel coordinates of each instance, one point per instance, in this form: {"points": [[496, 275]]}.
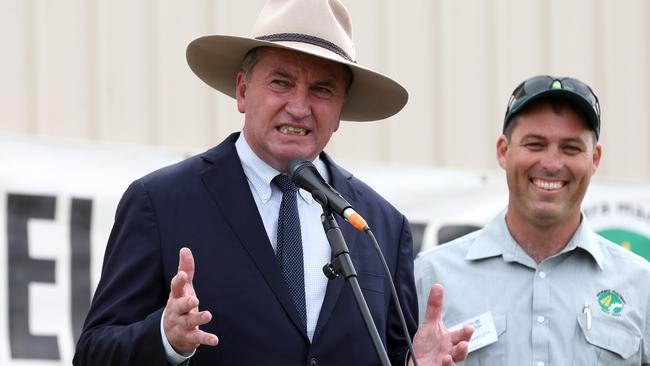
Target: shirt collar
{"points": [[585, 239], [496, 240], [260, 174]]}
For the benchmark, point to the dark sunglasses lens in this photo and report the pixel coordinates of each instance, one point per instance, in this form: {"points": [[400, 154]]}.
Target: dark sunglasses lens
{"points": [[582, 89], [537, 84], [531, 86]]}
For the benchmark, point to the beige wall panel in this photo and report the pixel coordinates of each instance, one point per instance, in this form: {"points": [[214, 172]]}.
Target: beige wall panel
{"points": [[365, 141], [16, 83], [128, 46], [409, 51], [61, 69], [187, 109], [625, 92], [521, 46], [520, 52], [115, 71], [572, 48], [467, 78]]}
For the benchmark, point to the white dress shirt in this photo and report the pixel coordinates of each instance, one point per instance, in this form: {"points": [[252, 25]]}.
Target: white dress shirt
{"points": [[316, 250]]}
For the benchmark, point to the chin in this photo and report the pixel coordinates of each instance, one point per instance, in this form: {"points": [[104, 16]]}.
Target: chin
{"points": [[550, 213]]}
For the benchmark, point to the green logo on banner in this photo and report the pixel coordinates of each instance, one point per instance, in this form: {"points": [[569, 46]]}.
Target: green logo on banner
{"points": [[611, 302], [631, 240]]}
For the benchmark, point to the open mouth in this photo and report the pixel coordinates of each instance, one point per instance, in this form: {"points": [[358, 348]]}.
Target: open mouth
{"points": [[291, 130], [548, 185]]}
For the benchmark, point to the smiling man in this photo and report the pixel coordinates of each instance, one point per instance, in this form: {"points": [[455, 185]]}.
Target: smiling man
{"points": [[217, 260], [539, 285]]}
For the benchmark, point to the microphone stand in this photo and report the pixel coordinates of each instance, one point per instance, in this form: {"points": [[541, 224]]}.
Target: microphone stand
{"points": [[341, 265]]}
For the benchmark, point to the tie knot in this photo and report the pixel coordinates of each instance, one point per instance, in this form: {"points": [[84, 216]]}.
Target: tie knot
{"points": [[284, 183]]}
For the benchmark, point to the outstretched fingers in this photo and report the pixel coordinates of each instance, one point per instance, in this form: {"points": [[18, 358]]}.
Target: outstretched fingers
{"points": [[462, 334], [182, 316]]}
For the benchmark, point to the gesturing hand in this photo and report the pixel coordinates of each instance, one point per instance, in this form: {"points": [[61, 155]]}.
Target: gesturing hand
{"points": [[433, 344], [182, 315]]}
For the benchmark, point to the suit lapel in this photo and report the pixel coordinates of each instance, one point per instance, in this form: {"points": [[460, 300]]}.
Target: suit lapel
{"points": [[226, 182], [339, 179]]}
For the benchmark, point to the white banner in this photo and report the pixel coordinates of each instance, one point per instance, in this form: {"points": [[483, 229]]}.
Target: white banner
{"points": [[57, 205]]}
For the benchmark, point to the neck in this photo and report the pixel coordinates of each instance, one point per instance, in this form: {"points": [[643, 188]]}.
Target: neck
{"points": [[544, 239]]}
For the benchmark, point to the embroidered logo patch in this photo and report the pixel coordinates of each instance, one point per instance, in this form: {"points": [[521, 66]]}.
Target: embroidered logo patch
{"points": [[611, 302]]}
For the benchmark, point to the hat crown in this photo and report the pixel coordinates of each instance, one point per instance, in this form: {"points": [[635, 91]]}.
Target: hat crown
{"points": [[327, 20]]}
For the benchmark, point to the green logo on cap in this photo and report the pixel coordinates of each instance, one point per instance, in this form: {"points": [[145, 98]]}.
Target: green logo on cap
{"points": [[556, 85], [611, 302]]}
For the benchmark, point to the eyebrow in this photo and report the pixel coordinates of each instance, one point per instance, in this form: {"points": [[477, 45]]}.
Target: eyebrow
{"points": [[283, 74], [329, 82], [532, 136]]}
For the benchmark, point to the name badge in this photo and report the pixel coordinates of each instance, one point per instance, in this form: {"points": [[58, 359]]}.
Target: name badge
{"points": [[484, 331]]}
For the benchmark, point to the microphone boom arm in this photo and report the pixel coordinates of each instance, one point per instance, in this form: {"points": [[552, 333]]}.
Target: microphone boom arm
{"points": [[342, 266]]}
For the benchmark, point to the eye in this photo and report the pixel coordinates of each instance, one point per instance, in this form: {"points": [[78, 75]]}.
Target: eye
{"points": [[322, 92], [535, 146], [280, 83], [572, 150]]}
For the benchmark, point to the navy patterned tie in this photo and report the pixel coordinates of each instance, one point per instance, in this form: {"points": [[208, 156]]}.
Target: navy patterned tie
{"points": [[289, 249]]}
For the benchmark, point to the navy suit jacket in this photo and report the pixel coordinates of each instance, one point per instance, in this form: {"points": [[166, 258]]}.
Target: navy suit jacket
{"points": [[205, 203]]}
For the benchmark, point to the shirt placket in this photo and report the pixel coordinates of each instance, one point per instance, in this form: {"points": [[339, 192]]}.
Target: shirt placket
{"points": [[540, 315]]}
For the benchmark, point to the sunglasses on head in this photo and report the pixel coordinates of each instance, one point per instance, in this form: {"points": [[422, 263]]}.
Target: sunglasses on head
{"points": [[542, 83]]}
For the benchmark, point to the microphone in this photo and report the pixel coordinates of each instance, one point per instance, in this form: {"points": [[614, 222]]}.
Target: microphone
{"points": [[304, 174]]}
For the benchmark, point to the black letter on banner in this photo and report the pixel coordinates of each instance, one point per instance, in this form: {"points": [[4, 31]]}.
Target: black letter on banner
{"points": [[80, 219], [22, 271]]}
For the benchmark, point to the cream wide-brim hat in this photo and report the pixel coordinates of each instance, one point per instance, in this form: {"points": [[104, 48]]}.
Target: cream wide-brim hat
{"points": [[320, 28]]}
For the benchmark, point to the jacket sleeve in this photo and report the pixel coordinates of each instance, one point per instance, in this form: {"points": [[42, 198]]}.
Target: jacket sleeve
{"points": [[405, 287], [123, 323]]}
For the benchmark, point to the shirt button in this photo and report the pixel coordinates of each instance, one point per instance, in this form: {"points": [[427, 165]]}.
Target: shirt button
{"points": [[542, 275], [540, 319], [313, 362]]}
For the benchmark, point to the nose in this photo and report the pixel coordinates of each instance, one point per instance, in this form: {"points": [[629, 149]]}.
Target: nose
{"points": [[552, 160], [298, 105]]}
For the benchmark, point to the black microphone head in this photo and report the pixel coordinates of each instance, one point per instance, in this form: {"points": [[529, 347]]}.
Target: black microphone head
{"points": [[296, 165]]}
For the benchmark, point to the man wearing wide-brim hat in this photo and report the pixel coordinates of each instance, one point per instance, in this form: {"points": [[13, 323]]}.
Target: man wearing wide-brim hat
{"points": [[227, 232]]}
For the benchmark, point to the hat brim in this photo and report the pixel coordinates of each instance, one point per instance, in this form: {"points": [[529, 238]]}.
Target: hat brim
{"points": [[575, 99], [372, 96]]}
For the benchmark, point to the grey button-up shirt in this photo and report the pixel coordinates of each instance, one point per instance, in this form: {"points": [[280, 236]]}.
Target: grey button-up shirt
{"points": [[587, 305]]}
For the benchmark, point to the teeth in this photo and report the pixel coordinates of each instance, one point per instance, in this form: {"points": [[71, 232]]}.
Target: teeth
{"points": [[293, 130], [543, 184]]}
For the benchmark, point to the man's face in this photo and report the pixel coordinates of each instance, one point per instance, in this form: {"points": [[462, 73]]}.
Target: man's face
{"points": [[549, 161], [292, 103]]}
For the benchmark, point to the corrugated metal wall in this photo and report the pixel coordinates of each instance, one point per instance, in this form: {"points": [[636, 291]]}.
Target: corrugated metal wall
{"points": [[115, 71]]}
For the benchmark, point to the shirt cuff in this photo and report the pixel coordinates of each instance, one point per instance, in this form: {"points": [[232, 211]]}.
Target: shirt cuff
{"points": [[173, 357]]}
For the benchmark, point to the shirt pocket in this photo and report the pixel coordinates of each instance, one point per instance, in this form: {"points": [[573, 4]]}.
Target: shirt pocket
{"points": [[611, 341]]}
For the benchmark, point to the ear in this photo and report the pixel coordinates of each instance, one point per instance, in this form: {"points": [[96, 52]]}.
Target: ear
{"points": [[240, 92], [338, 123], [598, 151], [502, 151]]}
